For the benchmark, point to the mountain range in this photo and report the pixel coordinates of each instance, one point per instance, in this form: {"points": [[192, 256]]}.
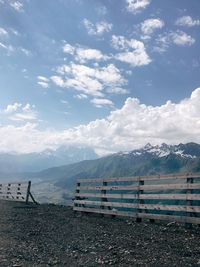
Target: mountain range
{"points": [[57, 184], [148, 160], [35, 162]]}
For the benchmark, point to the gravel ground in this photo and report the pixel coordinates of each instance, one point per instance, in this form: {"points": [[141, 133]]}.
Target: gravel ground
{"points": [[50, 235]]}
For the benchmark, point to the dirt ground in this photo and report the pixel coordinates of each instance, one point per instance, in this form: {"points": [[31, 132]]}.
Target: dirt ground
{"points": [[50, 235]]}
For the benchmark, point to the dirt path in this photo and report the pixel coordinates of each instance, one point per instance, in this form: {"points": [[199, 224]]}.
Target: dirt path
{"points": [[49, 235]]}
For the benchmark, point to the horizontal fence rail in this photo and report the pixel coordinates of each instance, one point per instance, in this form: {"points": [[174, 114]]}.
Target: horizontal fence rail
{"points": [[172, 197], [16, 191]]}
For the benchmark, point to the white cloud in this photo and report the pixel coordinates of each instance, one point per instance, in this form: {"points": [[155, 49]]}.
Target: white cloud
{"points": [[150, 25], [187, 21], [88, 80], [117, 90], [135, 6], [136, 124], [81, 96], [18, 112], [100, 102], [63, 69], [43, 81], [3, 32], [182, 39], [17, 5], [133, 51], [83, 54], [11, 108], [43, 84], [9, 48], [65, 102], [42, 78], [179, 38], [69, 49], [27, 113], [98, 28], [129, 127], [58, 81]]}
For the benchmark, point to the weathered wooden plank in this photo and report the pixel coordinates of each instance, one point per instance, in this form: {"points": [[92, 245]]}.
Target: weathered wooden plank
{"points": [[182, 219], [140, 206], [138, 178], [98, 195], [171, 196], [104, 211], [11, 197], [16, 191], [143, 196], [141, 187]]}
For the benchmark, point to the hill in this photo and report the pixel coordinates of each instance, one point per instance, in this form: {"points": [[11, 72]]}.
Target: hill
{"points": [[146, 161]]}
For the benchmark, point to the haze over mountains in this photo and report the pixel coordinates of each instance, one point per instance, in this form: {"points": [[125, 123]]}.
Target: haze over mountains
{"points": [[34, 162]]}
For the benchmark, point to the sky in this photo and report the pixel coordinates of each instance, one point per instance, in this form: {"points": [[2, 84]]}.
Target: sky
{"points": [[109, 74]]}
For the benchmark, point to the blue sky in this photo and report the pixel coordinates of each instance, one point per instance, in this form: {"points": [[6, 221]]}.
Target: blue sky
{"points": [[107, 74]]}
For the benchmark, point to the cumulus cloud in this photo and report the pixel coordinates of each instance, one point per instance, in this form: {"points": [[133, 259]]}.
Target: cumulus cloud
{"points": [[187, 21], [100, 102], [98, 28], [11, 108], [129, 127], [88, 80], [89, 54], [135, 6], [179, 38], [69, 49], [83, 54], [182, 39], [150, 25], [27, 113], [18, 112], [132, 51]]}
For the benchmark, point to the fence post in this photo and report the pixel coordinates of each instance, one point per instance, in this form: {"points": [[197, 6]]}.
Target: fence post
{"points": [[103, 192], [189, 202], [140, 201], [28, 191], [77, 192]]}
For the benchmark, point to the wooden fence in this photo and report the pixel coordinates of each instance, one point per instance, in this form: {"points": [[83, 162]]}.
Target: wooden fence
{"points": [[167, 197], [16, 191]]}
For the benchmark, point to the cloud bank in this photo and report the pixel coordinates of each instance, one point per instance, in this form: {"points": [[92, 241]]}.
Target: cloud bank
{"points": [[129, 127]]}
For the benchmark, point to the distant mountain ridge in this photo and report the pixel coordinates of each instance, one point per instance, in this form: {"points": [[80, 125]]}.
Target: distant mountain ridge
{"points": [[189, 150], [34, 162], [148, 160]]}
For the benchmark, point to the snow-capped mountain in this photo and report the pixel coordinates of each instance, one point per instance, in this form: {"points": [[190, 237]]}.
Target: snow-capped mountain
{"points": [[189, 150], [149, 160]]}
